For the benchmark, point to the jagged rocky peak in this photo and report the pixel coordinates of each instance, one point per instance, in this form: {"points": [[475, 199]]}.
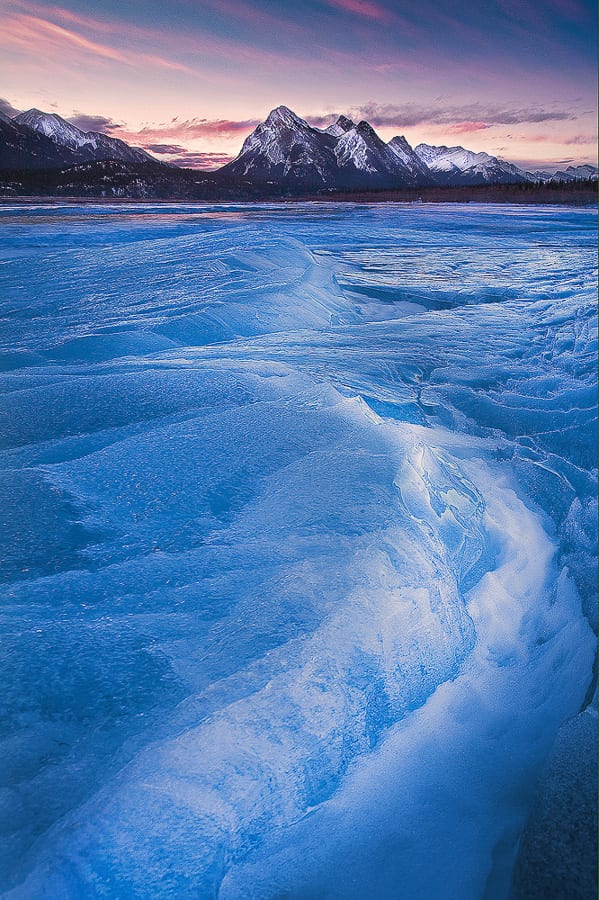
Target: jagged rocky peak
{"points": [[401, 143], [404, 153], [584, 171], [30, 115], [284, 117], [366, 129], [428, 153], [285, 147], [361, 148], [341, 126], [55, 127]]}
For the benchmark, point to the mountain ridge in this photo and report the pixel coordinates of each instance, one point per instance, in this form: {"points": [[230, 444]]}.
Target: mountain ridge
{"points": [[89, 145], [283, 153]]}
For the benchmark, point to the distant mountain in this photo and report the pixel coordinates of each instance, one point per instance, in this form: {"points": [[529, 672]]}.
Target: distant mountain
{"points": [[456, 165], [87, 145], [572, 173]]}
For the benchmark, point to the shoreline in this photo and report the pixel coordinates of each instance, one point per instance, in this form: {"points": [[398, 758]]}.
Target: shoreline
{"points": [[53, 200]]}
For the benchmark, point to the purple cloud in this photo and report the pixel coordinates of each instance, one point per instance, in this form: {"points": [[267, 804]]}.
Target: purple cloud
{"points": [[407, 115], [192, 129], [197, 160], [86, 122]]}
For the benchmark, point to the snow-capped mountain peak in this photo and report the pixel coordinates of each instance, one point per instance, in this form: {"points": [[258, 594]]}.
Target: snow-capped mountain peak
{"points": [[55, 127], [355, 148], [459, 165], [285, 147], [88, 144], [283, 117], [444, 159]]}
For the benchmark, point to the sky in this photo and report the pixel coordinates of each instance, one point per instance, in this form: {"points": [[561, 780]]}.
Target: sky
{"points": [[188, 80]]}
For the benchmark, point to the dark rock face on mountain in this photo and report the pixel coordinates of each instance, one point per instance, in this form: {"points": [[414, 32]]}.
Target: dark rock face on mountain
{"points": [[23, 148], [339, 127], [286, 150]]}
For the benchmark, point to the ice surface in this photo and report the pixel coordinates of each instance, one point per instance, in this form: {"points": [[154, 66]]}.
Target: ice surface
{"points": [[298, 543]]}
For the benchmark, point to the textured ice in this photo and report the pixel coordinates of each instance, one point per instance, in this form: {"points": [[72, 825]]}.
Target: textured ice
{"points": [[298, 543]]}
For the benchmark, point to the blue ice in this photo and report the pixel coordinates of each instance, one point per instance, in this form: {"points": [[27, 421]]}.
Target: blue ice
{"points": [[299, 530]]}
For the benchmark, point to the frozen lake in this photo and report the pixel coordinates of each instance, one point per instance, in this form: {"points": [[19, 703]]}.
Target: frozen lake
{"points": [[299, 531]]}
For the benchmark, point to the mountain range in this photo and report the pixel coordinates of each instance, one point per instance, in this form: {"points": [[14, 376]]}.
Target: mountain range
{"points": [[287, 150], [283, 153]]}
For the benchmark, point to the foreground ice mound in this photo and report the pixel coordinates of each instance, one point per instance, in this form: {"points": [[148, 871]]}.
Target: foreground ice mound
{"points": [[297, 544]]}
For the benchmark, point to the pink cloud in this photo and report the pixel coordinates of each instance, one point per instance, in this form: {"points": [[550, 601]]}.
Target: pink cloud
{"points": [[25, 32], [193, 159], [365, 8], [198, 44], [466, 127], [575, 139], [189, 130], [197, 160]]}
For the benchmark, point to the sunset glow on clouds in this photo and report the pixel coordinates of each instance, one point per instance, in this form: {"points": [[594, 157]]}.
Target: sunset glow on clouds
{"points": [[189, 80]]}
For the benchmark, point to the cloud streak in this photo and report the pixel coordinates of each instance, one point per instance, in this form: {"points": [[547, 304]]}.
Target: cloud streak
{"points": [[198, 160], [467, 127], [21, 31], [363, 8], [191, 130], [85, 122], [408, 115]]}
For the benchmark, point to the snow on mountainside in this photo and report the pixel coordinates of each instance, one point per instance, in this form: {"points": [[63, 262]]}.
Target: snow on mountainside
{"points": [[408, 157], [572, 173], [362, 149], [23, 148], [286, 149], [459, 165], [582, 171], [89, 145], [340, 127]]}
